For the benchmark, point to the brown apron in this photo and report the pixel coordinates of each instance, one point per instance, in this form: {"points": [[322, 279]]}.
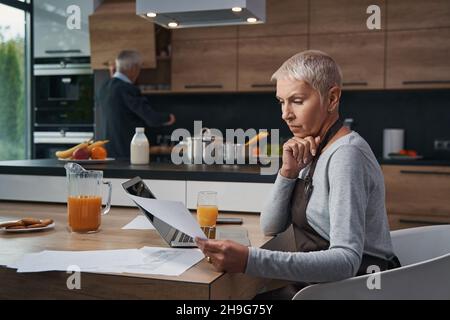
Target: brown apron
{"points": [[306, 238]]}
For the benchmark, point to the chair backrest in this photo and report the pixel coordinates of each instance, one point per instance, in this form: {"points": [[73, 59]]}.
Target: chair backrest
{"points": [[425, 280], [425, 256], [420, 244]]}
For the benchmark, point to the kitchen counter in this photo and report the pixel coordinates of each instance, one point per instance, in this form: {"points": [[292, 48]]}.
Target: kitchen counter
{"points": [[418, 162], [167, 171], [162, 171]]}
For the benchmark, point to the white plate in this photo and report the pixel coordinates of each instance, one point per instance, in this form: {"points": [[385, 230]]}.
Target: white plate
{"points": [[88, 160], [50, 226]]}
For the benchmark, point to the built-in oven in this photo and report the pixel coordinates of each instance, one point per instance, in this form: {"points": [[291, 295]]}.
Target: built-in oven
{"points": [[63, 105]]}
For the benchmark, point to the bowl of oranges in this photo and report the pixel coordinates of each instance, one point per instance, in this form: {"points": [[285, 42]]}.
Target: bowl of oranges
{"points": [[90, 151]]}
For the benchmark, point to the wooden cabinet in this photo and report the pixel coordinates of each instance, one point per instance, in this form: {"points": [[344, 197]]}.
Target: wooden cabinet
{"points": [[360, 56], [204, 33], [418, 59], [338, 16], [417, 14], [259, 58], [204, 65], [283, 18], [405, 221], [417, 194], [112, 33]]}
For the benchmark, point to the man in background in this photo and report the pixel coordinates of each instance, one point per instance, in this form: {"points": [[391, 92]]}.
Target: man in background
{"points": [[123, 107]]}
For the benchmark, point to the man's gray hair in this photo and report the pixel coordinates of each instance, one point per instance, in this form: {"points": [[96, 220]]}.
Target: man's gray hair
{"points": [[127, 60], [315, 67]]}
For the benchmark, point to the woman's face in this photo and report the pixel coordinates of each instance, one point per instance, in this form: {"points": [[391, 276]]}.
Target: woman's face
{"points": [[301, 107]]}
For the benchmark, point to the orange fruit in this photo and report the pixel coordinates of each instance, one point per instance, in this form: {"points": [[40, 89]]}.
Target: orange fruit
{"points": [[98, 153]]}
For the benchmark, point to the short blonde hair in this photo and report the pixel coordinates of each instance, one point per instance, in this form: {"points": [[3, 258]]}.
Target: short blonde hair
{"points": [[315, 67]]}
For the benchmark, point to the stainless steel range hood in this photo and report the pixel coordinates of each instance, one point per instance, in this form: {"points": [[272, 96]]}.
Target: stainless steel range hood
{"points": [[202, 13]]}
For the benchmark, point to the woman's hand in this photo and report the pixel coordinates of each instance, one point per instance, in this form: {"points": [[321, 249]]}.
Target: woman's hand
{"points": [[225, 255], [297, 153]]}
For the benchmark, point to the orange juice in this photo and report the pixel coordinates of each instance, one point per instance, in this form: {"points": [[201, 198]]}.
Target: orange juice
{"points": [[84, 213], [207, 215]]}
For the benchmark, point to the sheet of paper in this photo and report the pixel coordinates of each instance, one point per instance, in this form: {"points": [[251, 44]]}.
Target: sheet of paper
{"points": [[173, 213], [147, 260], [166, 261], [139, 223], [85, 260]]}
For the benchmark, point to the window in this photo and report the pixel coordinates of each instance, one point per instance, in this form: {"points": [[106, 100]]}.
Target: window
{"points": [[14, 80]]}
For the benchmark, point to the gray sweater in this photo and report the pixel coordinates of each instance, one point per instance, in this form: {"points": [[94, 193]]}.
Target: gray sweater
{"points": [[347, 208]]}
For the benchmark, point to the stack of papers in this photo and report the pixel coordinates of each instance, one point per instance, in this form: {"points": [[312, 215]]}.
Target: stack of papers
{"points": [[147, 260]]}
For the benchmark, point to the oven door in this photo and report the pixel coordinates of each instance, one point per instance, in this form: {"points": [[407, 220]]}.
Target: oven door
{"points": [[64, 97]]}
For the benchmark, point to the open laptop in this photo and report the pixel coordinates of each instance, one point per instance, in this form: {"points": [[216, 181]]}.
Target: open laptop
{"points": [[171, 235]]}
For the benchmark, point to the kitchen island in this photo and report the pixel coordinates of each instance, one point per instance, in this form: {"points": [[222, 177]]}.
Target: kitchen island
{"points": [[240, 187]]}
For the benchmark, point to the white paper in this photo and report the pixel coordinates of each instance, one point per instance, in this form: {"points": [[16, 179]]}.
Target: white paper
{"points": [[173, 213], [85, 260], [147, 260], [139, 223], [166, 261]]}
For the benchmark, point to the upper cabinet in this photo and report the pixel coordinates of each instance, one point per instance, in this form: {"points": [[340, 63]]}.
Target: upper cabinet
{"points": [[204, 65], [283, 18], [115, 27], [426, 14], [360, 56], [259, 58], [339, 16], [54, 33], [418, 59], [204, 33]]}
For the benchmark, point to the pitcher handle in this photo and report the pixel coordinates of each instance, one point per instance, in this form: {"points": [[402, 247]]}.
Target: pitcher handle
{"points": [[108, 201]]}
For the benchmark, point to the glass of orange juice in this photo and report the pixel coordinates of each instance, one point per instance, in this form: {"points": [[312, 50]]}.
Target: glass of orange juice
{"points": [[207, 212]]}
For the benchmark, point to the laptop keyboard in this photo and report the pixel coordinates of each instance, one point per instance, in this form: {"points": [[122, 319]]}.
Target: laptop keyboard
{"points": [[184, 238]]}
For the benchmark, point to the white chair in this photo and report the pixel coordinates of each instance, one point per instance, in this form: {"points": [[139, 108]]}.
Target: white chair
{"points": [[424, 253]]}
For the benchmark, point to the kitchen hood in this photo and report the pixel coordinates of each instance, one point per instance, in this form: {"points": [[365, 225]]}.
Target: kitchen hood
{"points": [[202, 13]]}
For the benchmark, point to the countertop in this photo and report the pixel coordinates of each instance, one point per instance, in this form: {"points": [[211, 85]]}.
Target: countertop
{"points": [[167, 171], [123, 169]]}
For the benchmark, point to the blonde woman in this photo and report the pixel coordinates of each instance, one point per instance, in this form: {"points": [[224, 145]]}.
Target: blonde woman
{"points": [[330, 188]]}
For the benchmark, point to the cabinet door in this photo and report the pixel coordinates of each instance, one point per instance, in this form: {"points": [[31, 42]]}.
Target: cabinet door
{"points": [[338, 16], [259, 58], [417, 190], [283, 18], [417, 14], [360, 56], [204, 33], [232, 196], [204, 65], [52, 37], [112, 33], [418, 59]]}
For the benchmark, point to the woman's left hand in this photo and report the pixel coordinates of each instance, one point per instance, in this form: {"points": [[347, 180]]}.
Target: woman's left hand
{"points": [[225, 255]]}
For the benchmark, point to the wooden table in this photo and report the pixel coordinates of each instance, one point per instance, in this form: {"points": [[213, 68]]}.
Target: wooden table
{"points": [[199, 282]]}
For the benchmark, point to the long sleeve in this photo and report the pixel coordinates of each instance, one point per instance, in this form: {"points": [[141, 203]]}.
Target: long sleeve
{"points": [[347, 202], [139, 105], [275, 217]]}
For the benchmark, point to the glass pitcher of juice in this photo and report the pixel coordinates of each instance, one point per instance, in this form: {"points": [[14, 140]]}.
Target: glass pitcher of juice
{"points": [[84, 199], [207, 212]]}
